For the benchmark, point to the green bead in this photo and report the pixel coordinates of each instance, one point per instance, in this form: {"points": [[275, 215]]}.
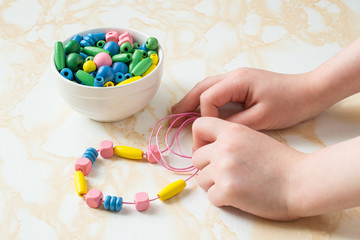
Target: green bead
{"points": [[126, 47], [59, 56], [136, 58], [92, 51], [151, 52], [85, 77], [122, 57], [74, 61], [89, 58], [100, 43], [136, 45], [151, 43], [144, 53], [72, 46], [141, 67]]}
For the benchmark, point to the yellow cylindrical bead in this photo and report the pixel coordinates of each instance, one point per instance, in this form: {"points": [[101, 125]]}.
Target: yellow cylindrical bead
{"points": [[151, 68], [130, 80], [128, 152], [109, 84], [155, 59], [80, 183], [171, 190]]}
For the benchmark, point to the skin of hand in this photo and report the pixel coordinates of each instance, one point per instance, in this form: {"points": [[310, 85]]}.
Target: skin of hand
{"points": [[244, 168]]}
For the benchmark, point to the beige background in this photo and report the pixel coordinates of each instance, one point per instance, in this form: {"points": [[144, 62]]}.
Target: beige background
{"points": [[41, 136]]}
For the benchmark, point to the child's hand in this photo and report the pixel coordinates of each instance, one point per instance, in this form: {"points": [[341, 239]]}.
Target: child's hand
{"points": [[271, 100], [243, 168]]}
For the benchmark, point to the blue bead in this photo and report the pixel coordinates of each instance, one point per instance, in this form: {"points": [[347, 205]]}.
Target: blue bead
{"points": [[98, 82], [120, 67], [100, 36], [112, 203], [89, 40], [91, 154], [127, 76], [84, 43], [119, 77], [143, 47], [93, 37], [93, 73], [77, 38], [106, 72], [118, 204], [112, 47], [107, 202], [67, 73], [83, 55]]}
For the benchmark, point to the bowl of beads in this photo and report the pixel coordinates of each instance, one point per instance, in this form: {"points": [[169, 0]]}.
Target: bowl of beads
{"points": [[108, 74]]}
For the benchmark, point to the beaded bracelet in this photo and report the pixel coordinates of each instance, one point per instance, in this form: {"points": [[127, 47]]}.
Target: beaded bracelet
{"points": [[94, 198]]}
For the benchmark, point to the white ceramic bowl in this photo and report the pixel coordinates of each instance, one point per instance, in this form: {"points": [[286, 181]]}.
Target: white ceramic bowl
{"points": [[111, 104]]}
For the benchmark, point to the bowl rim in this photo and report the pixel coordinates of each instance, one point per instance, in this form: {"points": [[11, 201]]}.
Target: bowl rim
{"points": [[105, 29]]}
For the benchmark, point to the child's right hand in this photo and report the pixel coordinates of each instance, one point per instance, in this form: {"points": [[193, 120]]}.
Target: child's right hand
{"points": [[271, 100]]}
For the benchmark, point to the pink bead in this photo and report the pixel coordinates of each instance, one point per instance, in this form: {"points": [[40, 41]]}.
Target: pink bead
{"points": [[102, 59], [111, 36], [156, 153], [125, 37], [106, 149], [94, 198], [141, 201], [84, 165]]}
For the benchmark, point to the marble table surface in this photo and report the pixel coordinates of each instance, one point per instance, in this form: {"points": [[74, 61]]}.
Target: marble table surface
{"points": [[41, 136]]}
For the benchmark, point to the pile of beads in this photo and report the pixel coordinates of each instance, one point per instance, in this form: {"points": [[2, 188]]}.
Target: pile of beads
{"points": [[105, 59], [94, 198]]}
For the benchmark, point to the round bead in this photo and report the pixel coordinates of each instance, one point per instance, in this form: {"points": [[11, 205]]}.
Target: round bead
{"points": [[111, 36], [67, 73], [136, 45], [151, 43], [141, 201], [72, 46], [94, 198], [120, 67], [98, 82], [156, 154], [89, 66], [89, 58], [74, 61], [106, 72], [112, 47], [119, 77], [109, 84], [100, 43], [127, 76], [102, 59], [126, 47]]}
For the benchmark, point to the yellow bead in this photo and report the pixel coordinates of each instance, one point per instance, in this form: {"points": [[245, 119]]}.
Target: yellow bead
{"points": [[151, 68], [155, 58], [89, 66], [171, 190], [128, 152], [130, 80], [109, 84], [80, 184]]}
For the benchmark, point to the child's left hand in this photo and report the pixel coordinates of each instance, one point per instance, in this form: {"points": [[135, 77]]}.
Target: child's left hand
{"points": [[244, 168]]}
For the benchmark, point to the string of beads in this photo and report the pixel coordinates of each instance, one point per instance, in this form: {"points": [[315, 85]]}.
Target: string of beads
{"points": [[94, 198]]}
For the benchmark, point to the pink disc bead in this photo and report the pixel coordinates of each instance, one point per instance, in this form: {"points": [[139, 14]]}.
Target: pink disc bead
{"points": [[84, 165], [94, 198], [141, 201], [111, 36], [102, 59], [154, 150], [106, 149], [125, 37]]}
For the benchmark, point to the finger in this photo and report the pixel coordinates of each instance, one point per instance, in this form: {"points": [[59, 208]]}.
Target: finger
{"points": [[206, 129], [251, 117], [215, 197], [191, 101], [205, 178], [202, 156], [221, 93]]}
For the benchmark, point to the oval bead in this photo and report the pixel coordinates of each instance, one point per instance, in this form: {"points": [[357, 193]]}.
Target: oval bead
{"points": [[85, 78], [128, 152], [135, 59], [59, 56], [80, 183], [141, 67], [151, 68], [120, 67], [122, 57], [92, 51], [171, 190], [112, 47], [129, 80]]}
